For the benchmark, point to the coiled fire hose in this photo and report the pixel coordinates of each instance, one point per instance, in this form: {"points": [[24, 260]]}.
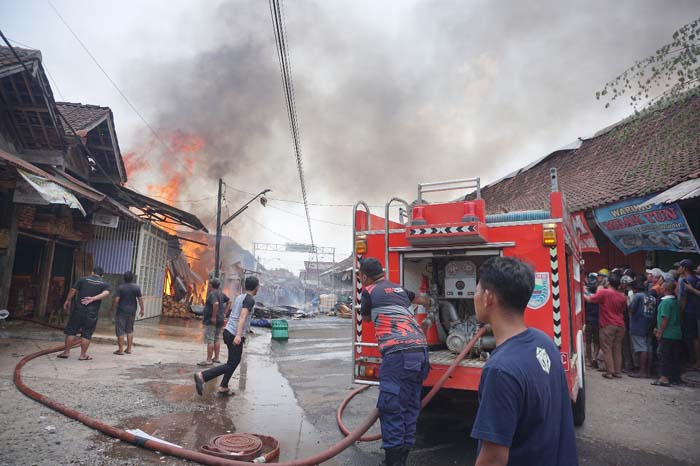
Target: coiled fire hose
{"points": [[202, 458]]}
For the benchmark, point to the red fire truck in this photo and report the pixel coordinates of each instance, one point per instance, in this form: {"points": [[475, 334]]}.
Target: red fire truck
{"points": [[437, 250]]}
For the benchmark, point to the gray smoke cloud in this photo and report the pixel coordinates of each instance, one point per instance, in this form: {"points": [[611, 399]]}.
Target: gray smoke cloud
{"points": [[389, 95]]}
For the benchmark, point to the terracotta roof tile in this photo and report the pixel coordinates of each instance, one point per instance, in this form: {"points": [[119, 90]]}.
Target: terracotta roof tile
{"points": [[82, 116], [642, 156], [7, 58]]}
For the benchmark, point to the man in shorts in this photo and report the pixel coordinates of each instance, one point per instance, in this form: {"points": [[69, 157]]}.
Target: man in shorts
{"points": [[89, 292], [128, 294], [214, 315]]}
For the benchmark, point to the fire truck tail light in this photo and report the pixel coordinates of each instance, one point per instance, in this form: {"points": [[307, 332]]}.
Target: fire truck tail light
{"points": [[549, 234], [361, 244], [368, 372]]}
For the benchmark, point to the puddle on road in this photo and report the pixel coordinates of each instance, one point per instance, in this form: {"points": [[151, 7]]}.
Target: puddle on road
{"points": [[345, 355], [264, 403], [161, 371]]}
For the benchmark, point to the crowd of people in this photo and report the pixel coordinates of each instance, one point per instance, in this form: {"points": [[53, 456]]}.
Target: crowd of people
{"points": [[644, 324]]}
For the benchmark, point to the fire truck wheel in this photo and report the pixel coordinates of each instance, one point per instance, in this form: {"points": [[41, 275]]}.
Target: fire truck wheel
{"points": [[579, 407]]}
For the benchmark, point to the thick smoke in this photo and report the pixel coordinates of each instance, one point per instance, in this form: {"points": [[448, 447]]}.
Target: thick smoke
{"points": [[391, 95]]}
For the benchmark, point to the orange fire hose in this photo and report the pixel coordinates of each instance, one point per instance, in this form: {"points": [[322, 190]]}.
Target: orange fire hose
{"points": [[202, 458]]}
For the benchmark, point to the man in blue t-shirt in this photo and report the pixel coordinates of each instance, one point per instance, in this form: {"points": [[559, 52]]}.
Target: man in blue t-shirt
{"points": [[524, 416]]}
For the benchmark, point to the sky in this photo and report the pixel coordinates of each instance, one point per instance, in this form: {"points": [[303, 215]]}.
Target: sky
{"points": [[388, 94]]}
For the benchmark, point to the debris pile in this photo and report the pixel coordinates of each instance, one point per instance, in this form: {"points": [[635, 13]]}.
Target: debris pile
{"points": [[173, 308]]}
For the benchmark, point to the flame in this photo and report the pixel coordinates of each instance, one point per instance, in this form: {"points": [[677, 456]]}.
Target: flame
{"points": [[176, 165], [201, 260], [168, 285], [134, 163]]}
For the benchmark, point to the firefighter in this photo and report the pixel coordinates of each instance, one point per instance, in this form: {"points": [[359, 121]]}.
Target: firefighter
{"points": [[404, 353]]}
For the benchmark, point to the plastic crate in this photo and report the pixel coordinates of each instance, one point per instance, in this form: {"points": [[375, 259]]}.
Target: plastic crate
{"points": [[280, 329]]}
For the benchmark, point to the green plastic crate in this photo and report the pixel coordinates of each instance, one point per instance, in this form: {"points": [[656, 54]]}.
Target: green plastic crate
{"points": [[280, 329]]}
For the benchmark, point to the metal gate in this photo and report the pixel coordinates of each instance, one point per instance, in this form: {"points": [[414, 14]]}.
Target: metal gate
{"points": [[150, 267]]}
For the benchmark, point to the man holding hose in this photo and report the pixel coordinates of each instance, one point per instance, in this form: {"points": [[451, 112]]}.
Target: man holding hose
{"points": [[404, 358]]}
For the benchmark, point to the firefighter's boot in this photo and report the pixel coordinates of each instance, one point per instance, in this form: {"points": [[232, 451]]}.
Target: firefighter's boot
{"points": [[393, 457], [404, 455]]}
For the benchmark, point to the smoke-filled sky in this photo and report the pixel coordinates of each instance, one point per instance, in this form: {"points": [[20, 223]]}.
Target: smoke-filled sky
{"points": [[388, 94]]}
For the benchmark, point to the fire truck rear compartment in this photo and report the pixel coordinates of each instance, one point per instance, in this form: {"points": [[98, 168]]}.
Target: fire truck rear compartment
{"points": [[450, 324]]}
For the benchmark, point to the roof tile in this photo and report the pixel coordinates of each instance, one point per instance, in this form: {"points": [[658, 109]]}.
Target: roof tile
{"points": [[644, 155]]}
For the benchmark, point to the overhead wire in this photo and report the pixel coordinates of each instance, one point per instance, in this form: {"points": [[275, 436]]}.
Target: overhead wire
{"points": [[312, 219], [92, 159], [46, 68], [279, 29], [114, 84]]}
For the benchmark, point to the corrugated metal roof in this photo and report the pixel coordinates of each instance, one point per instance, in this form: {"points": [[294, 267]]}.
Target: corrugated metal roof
{"points": [[88, 193], [682, 191]]}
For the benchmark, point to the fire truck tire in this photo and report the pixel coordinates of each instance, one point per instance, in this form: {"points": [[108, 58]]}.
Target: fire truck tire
{"points": [[579, 406]]}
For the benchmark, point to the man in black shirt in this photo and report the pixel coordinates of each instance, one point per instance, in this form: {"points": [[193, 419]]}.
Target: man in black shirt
{"points": [[125, 300], [90, 291], [214, 315]]}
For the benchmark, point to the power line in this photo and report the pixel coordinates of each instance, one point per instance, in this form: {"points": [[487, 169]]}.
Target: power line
{"points": [[313, 219], [92, 160], [121, 93], [287, 238], [311, 204], [276, 12], [55, 84]]}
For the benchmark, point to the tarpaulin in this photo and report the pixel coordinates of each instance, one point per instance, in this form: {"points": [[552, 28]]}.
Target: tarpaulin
{"points": [[50, 192]]}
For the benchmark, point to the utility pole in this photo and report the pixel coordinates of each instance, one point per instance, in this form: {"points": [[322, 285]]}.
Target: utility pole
{"points": [[218, 231], [220, 225]]}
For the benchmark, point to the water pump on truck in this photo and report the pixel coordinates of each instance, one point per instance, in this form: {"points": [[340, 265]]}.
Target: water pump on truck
{"points": [[438, 251]]}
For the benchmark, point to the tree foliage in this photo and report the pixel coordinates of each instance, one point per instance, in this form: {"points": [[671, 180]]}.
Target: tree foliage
{"points": [[662, 77]]}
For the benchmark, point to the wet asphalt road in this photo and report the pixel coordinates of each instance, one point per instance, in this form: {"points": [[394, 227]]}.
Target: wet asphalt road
{"points": [[317, 362], [287, 389]]}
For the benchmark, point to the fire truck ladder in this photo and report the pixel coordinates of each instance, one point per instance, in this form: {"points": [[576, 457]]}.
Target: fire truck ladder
{"points": [[357, 331], [386, 228], [467, 183]]}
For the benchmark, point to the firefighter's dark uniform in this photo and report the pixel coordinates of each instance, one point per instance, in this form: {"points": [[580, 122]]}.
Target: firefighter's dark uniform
{"points": [[404, 361]]}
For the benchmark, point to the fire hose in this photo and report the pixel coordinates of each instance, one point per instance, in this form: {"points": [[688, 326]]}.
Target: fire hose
{"points": [[203, 458]]}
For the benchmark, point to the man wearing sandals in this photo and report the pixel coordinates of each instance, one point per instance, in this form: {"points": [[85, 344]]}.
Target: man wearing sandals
{"points": [[214, 316], [89, 292], [668, 333], [237, 327], [125, 301]]}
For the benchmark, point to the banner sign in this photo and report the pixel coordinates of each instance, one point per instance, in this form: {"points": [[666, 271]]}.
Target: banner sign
{"points": [[658, 227], [585, 236], [105, 220]]}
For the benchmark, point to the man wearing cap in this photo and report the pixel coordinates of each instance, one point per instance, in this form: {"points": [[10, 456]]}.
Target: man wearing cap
{"points": [[404, 353], [690, 306]]}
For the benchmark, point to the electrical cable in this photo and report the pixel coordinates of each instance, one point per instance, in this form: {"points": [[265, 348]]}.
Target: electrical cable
{"points": [[276, 13], [121, 93], [287, 238], [312, 219], [91, 158], [46, 68]]}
